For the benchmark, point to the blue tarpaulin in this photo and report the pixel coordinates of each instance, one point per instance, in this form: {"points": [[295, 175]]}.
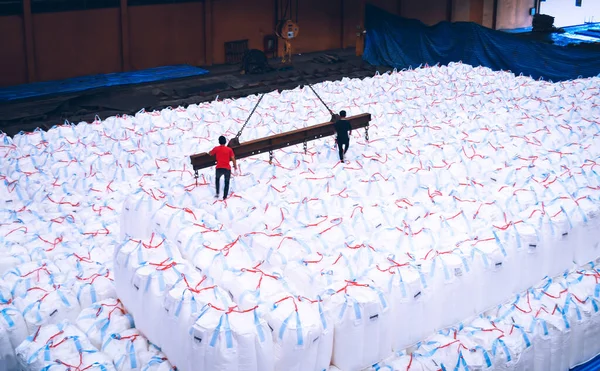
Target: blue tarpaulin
{"points": [[78, 84], [402, 43], [593, 365]]}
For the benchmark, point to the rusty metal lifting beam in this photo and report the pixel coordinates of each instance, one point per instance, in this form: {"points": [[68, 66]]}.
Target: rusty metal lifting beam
{"points": [[278, 141]]}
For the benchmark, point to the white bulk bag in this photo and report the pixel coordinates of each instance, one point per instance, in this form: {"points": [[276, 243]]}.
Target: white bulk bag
{"points": [[529, 255], [457, 352], [13, 325], [23, 278], [413, 362], [13, 331], [102, 319], [150, 285], [215, 253], [130, 255], [157, 363], [579, 321], [404, 287], [227, 340], [63, 342], [581, 289], [559, 326], [509, 352], [255, 285], [136, 215], [491, 272], [8, 360], [11, 256], [586, 233], [279, 249], [302, 334], [96, 287], [48, 306], [458, 288], [181, 307], [363, 323], [128, 350], [312, 275], [169, 221]]}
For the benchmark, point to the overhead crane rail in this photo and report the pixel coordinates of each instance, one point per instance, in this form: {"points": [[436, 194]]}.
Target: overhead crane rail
{"points": [[278, 141]]}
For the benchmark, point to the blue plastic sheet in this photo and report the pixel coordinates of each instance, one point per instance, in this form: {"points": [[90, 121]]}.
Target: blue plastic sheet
{"points": [[402, 43], [593, 365], [78, 84]]}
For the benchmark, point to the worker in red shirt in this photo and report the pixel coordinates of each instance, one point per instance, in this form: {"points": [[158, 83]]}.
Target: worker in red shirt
{"points": [[223, 154]]}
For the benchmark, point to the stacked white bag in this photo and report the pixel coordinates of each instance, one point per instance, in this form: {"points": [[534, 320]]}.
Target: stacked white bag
{"points": [[444, 200], [61, 345], [161, 291], [40, 291]]}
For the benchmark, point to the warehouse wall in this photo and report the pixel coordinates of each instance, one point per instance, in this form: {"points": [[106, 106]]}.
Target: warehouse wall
{"points": [[75, 43], [13, 63], [161, 35], [79, 43]]}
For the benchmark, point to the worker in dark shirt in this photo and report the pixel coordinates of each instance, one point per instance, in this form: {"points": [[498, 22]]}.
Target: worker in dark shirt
{"points": [[343, 130], [223, 155]]}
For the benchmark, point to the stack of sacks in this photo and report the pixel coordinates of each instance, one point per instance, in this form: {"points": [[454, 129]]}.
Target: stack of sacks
{"points": [[61, 346], [302, 330], [41, 292], [550, 327], [444, 186], [177, 309]]}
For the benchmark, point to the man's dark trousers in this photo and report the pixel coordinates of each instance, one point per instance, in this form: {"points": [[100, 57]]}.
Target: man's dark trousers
{"points": [[219, 174], [343, 144]]}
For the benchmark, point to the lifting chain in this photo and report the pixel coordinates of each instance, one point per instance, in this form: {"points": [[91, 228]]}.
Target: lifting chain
{"points": [[237, 136], [305, 147], [313, 90], [196, 176], [270, 157], [367, 133]]}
